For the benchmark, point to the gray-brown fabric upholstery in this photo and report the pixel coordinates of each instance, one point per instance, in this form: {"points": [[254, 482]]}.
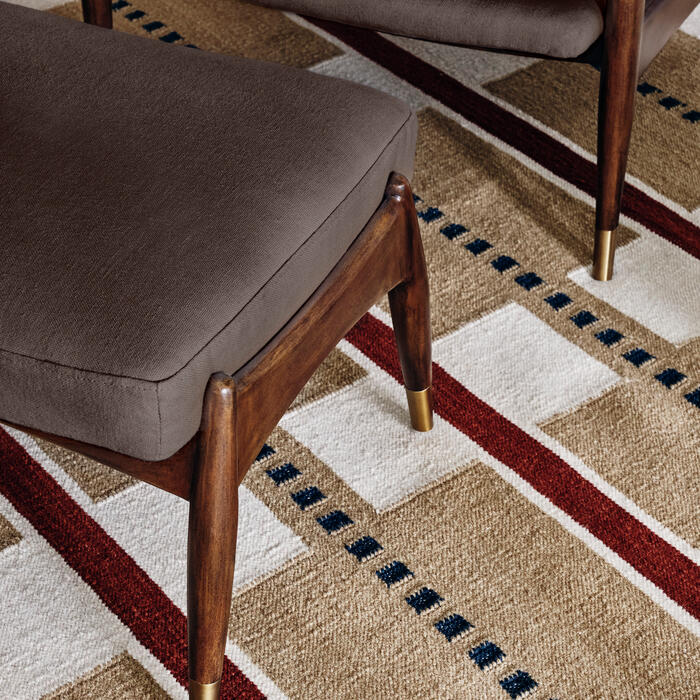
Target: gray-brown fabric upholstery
{"points": [[559, 28], [556, 28], [661, 19], [164, 212]]}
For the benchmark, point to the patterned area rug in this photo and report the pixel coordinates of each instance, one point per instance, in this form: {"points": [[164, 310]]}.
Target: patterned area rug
{"points": [[543, 538]]}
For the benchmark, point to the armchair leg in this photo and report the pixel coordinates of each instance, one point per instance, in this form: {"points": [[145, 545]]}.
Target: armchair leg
{"points": [[410, 312], [98, 12], [211, 546], [623, 28]]}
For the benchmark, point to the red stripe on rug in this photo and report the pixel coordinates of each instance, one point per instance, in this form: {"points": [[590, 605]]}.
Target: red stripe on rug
{"points": [[122, 585], [649, 554], [516, 132]]}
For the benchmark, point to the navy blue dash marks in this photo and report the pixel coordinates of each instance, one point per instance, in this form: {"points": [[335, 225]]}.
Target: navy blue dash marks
{"points": [[583, 318], [529, 280], [503, 263], [670, 377], [281, 475], [609, 336], [136, 14], [365, 548], [486, 654], [518, 684], [453, 626], [693, 397], [396, 572], [558, 300], [693, 116], [478, 246], [416, 198], [424, 599], [266, 452], [638, 356], [120, 4], [430, 214], [334, 521], [647, 89], [152, 26], [453, 231], [171, 37], [308, 497]]}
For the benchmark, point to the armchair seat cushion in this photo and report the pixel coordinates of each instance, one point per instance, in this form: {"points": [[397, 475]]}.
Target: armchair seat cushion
{"points": [[165, 211], [558, 28]]}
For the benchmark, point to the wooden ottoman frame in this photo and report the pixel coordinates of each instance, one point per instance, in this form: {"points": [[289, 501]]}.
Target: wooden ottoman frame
{"points": [[241, 410]]}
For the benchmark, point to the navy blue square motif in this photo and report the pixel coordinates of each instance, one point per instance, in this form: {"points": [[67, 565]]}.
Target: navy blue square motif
{"points": [[503, 263], [670, 377], [558, 301], [393, 573], [152, 26], [583, 318], [646, 89], [334, 522], [638, 356], [694, 397], [609, 336], [478, 246], [308, 497], [518, 684], [365, 548], [453, 231], [669, 102], [529, 280], [266, 452], [430, 214], [282, 474], [424, 599], [453, 626], [486, 654]]}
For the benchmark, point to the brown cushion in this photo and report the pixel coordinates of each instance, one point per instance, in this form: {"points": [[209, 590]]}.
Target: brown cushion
{"points": [[560, 28], [164, 212]]}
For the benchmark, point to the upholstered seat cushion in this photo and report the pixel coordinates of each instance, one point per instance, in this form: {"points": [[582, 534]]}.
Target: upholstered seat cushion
{"points": [[164, 212], [559, 28]]}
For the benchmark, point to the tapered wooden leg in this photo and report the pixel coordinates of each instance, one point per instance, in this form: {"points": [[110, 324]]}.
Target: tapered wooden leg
{"points": [[623, 27], [410, 312], [211, 546], [98, 12]]}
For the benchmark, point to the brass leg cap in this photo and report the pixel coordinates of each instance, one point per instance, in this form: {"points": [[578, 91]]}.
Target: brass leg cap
{"points": [[603, 255], [420, 406], [204, 691]]}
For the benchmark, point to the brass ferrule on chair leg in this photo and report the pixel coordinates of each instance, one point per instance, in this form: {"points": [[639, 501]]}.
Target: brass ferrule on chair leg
{"points": [[204, 691], [420, 407], [603, 255]]}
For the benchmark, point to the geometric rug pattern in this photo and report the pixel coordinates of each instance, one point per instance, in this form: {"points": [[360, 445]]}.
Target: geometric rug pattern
{"points": [[543, 539]]}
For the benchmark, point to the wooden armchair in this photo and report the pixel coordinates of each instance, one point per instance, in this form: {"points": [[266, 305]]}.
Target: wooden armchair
{"points": [[623, 36], [165, 334]]}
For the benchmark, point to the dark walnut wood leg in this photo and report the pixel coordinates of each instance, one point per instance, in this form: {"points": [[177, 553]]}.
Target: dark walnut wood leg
{"points": [[98, 12], [211, 546], [239, 412], [623, 30], [410, 312]]}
